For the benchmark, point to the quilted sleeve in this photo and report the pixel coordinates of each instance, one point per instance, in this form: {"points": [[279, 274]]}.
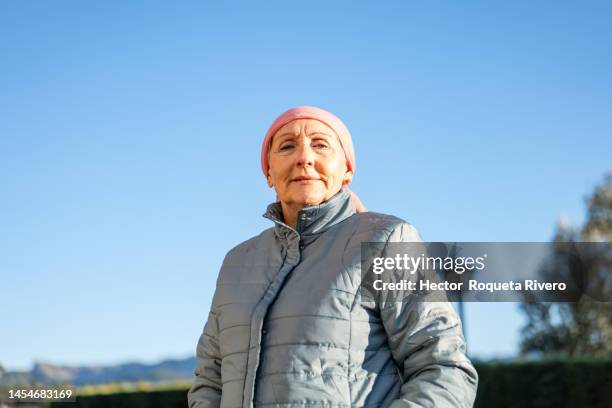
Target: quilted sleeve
{"points": [[428, 346], [206, 389]]}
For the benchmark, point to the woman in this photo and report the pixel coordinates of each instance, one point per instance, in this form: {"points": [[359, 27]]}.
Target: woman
{"points": [[287, 327]]}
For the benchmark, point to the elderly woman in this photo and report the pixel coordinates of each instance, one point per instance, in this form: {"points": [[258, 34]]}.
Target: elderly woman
{"points": [[287, 327]]}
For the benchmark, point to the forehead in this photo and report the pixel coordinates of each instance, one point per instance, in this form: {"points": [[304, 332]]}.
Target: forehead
{"points": [[309, 126]]}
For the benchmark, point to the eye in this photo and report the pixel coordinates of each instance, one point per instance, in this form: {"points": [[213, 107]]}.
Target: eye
{"points": [[285, 146], [320, 144]]}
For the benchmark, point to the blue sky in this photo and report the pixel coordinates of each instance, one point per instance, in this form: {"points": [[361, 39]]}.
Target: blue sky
{"points": [[130, 137]]}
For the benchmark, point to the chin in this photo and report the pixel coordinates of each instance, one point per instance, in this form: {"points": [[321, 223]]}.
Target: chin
{"points": [[308, 199]]}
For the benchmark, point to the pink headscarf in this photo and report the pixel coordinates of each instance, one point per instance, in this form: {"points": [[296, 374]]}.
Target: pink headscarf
{"points": [[329, 119]]}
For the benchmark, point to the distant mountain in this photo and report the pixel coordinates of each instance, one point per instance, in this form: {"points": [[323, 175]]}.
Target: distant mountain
{"points": [[43, 373]]}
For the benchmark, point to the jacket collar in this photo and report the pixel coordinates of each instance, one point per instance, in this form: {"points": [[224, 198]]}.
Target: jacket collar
{"points": [[315, 219]]}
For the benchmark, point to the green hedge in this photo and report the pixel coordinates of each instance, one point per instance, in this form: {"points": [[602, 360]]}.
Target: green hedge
{"points": [[562, 383], [582, 383], [144, 399]]}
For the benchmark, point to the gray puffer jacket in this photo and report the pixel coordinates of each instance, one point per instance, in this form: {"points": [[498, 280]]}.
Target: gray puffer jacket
{"points": [[287, 328]]}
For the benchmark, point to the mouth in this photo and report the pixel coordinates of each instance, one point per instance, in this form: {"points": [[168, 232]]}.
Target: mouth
{"points": [[305, 179]]}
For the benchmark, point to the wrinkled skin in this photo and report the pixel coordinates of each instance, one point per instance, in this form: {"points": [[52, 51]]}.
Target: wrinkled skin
{"points": [[307, 166]]}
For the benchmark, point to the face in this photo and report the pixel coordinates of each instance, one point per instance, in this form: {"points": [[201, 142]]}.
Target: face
{"points": [[307, 163]]}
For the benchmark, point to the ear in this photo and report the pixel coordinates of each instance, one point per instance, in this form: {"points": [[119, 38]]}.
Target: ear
{"points": [[348, 177], [269, 180]]}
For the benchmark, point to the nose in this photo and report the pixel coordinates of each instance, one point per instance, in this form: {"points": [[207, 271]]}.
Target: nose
{"points": [[305, 155]]}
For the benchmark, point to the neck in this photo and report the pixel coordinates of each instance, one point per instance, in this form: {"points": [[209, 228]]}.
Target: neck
{"points": [[290, 213], [309, 220]]}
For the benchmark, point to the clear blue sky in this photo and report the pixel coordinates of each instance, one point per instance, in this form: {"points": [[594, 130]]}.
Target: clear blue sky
{"points": [[130, 136]]}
